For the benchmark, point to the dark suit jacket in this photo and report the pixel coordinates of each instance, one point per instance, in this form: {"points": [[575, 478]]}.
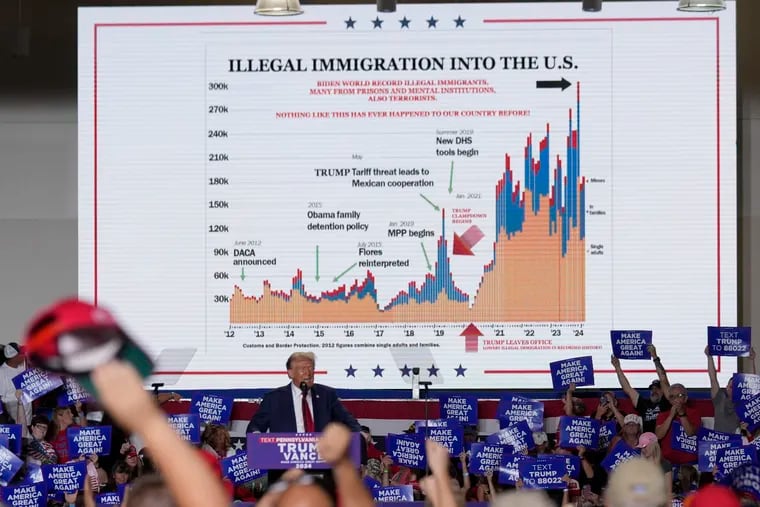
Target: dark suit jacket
{"points": [[276, 413]]}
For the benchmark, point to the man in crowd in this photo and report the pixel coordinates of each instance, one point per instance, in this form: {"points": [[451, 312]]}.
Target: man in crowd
{"points": [[648, 407], [726, 419], [688, 417], [14, 365]]}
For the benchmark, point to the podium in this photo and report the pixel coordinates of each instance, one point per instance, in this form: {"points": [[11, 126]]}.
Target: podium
{"points": [[283, 451]]}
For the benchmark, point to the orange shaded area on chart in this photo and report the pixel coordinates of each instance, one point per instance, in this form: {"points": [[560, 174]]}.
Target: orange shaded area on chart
{"points": [[530, 282]]}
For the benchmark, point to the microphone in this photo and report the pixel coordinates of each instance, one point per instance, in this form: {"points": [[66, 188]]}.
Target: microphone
{"points": [[304, 387]]}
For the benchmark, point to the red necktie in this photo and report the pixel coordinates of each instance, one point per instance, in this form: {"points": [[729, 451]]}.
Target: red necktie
{"points": [[308, 421]]}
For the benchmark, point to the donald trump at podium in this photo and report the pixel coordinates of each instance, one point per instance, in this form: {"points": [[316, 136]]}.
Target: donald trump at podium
{"points": [[301, 406]]}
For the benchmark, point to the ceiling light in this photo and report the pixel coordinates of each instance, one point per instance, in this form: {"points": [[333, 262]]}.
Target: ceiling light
{"points": [[278, 8], [592, 5], [701, 5], [386, 5]]}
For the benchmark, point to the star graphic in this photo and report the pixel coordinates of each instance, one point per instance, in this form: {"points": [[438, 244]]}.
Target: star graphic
{"points": [[350, 371], [433, 371], [431, 22], [404, 22], [377, 22], [238, 445], [405, 371], [460, 371], [378, 371], [350, 23], [459, 22]]}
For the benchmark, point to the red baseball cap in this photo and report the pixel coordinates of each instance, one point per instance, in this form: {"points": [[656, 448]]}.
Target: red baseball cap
{"points": [[713, 495], [74, 337]]}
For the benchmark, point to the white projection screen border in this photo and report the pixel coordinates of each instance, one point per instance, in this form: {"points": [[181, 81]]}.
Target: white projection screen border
{"points": [[474, 190]]}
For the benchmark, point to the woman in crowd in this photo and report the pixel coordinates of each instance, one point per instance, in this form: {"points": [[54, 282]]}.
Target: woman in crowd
{"points": [[608, 411], [38, 450], [483, 490], [632, 426], [650, 449], [216, 439], [63, 419]]}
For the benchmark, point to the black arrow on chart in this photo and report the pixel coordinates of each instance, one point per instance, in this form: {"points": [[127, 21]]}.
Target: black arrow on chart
{"points": [[560, 83]]}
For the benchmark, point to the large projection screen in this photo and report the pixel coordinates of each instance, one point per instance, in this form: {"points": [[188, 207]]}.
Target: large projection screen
{"points": [[475, 190]]}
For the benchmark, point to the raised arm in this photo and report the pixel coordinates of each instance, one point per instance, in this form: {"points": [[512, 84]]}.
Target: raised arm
{"points": [[334, 448], [569, 399], [438, 461], [661, 373], [619, 417], [188, 477], [752, 360], [714, 385], [466, 484], [629, 391], [81, 414], [21, 414]]}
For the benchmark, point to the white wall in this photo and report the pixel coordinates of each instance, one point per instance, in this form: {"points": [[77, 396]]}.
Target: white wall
{"points": [[38, 194]]}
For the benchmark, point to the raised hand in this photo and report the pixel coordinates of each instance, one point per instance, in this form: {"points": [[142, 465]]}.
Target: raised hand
{"points": [[437, 457], [121, 392], [334, 442]]}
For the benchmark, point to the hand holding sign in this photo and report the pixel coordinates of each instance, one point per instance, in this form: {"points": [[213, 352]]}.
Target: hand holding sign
{"points": [[211, 407], [407, 449], [631, 344], [745, 387], [35, 383], [447, 432], [459, 407], [749, 413], [484, 457], [577, 370], [394, 494], [729, 341]]}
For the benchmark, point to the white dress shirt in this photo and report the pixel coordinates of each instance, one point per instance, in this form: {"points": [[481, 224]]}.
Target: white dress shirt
{"points": [[300, 425]]}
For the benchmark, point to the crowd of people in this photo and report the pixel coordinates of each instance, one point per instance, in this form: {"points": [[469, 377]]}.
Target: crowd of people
{"points": [[146, 452], [647, 429]]}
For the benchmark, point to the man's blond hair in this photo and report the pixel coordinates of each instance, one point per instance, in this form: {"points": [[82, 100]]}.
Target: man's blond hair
{"points": [[300, 356], [522, 498], [637, 482]]}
